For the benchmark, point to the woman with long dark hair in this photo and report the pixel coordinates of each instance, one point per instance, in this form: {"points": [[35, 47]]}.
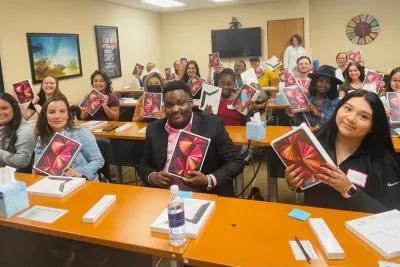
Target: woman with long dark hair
{"points": [[109, 110], [17, 138], [354, 76], [56, 118], [48, 88], [192, 68], [357, 138], [393, 85], [323, 98]]}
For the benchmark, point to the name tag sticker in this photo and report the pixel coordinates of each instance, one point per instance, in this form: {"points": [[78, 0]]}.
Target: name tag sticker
{"points": [[230, 107], [357, 178]]}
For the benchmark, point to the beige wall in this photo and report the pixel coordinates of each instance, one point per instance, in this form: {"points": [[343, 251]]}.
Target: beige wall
{"points": [[139, 36], [189, 33], [162, 38], [328, 20]]}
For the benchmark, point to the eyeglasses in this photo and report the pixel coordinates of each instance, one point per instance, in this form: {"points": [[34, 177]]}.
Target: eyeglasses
{"points": [[395, 81]]}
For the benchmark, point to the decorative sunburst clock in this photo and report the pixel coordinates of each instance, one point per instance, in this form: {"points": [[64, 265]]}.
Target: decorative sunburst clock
{"points": [[362, 29]]}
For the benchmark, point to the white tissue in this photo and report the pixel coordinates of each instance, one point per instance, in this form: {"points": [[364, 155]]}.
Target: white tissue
{"points": [[256, 118], [7, 177]]}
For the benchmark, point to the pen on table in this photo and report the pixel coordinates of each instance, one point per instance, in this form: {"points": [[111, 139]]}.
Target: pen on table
{"points": [[302, 249]]}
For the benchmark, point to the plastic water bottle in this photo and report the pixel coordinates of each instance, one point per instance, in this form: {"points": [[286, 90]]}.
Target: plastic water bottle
{"points": [[176, 218]]}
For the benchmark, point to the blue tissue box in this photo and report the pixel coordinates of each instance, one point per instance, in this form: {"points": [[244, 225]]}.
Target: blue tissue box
{"points": [[280, 99], [255, 131], [13, 199]]}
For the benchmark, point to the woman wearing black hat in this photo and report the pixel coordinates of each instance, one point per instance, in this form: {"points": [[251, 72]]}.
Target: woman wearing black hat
{"points": [[323, 98]]}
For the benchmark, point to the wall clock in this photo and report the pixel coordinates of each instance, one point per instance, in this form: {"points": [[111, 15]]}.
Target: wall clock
{"points": [[362, 29]]}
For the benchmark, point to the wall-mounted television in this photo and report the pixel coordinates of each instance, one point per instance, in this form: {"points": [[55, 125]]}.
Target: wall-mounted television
{"points": [[245, 42]]}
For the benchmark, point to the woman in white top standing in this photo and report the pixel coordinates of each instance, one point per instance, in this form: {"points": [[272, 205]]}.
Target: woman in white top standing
{"points": [[341, 61], [293, 52]]}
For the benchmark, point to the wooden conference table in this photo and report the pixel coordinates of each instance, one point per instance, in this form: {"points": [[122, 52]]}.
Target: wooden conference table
{"points": [[254, 233], [126, 225], [233, 236], [236, 133]]}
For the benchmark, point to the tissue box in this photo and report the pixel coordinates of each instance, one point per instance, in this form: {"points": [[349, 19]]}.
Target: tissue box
{"points": [[13, 199], [280, 99], [255, 131]]}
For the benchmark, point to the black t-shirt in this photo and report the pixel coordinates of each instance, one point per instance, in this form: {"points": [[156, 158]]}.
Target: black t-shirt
{"points": [[41, 103], [372, 198]]}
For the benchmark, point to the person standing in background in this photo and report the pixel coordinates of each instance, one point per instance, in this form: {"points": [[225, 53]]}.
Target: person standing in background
{"points": [[293, 52]]}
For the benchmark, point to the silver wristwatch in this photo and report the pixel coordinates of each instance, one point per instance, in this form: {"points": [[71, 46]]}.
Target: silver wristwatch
{"points": [[209, 182]]}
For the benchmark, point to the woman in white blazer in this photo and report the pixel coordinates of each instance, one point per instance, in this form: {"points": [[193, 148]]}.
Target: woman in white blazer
{"points": [[293, 52]]}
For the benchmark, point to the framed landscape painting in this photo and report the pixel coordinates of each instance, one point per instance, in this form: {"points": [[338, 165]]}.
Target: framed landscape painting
{"points": [[108, 54], [55, 54]]}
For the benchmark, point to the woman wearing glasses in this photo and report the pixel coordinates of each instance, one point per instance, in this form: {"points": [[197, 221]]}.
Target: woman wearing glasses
{"points": [[393, 86]]}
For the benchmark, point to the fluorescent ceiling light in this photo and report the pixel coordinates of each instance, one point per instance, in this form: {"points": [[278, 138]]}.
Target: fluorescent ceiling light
{"points": [[163, 3]]}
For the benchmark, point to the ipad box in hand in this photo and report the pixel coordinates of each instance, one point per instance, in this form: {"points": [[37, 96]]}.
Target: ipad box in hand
{"points": [[189, 153], [58, 155], [301, 148]]}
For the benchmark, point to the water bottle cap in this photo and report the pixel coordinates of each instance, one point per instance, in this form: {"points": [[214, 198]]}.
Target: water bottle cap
{"points": [[174, 189]]}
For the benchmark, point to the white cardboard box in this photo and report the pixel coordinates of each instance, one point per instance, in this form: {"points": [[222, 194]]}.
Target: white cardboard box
{"points": [[51, 186], [379, 231], [328, 242], [99, 208], [160, 225]]}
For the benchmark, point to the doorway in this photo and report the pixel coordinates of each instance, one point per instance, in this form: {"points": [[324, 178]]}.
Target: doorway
{"points": [[279, 33]]}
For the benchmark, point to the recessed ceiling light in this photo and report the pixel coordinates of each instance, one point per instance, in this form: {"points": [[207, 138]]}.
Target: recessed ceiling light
{"points": [[163, 3]]}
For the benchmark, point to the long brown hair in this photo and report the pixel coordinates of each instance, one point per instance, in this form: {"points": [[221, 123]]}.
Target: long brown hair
{"points": [[43, 129], [57, 91], [151, 75]]}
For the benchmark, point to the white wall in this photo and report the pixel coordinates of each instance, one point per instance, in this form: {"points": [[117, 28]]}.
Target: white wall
{"points": [[189, 33], [328, 20]]}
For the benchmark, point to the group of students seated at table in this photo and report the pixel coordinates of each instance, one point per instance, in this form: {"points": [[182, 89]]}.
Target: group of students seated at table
{"points": [[354, 130]]}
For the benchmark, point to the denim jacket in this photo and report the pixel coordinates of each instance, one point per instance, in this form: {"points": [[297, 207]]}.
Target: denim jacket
{"points": [[89, 160], [327, 109]]}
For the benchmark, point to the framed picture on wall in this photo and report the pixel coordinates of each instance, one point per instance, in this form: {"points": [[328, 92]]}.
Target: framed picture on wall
{"points": [[108, 53], [1, 80], [54, 53]]}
